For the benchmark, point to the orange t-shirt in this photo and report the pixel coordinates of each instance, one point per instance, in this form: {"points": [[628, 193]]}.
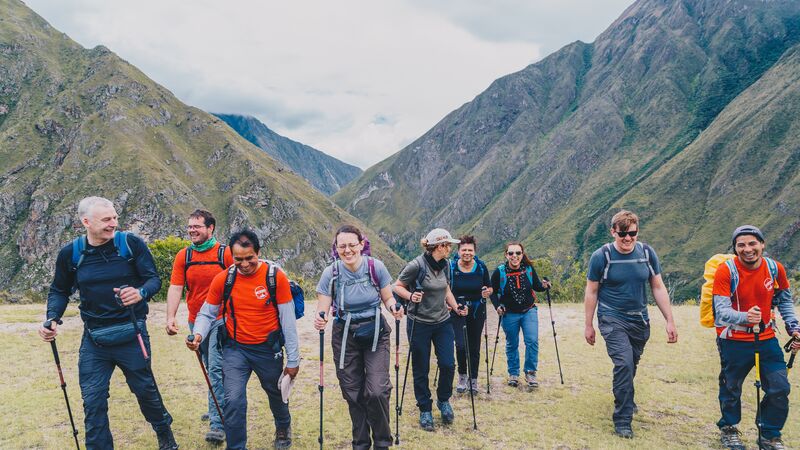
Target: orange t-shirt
{"points": [[199, 276], [255, 320], [755, 288]]}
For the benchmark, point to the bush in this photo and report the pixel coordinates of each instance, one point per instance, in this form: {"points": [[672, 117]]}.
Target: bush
{"points": [[164, 251], [567, 275]]}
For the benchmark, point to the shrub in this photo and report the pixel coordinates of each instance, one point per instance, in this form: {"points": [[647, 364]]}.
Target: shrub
{"points": [[164, 251]]}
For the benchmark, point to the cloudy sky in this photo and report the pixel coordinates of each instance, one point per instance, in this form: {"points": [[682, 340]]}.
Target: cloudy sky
{"points": [[357, 79]]}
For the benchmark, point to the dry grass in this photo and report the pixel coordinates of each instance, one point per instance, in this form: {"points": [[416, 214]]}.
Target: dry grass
{"points": [[676, 393]]}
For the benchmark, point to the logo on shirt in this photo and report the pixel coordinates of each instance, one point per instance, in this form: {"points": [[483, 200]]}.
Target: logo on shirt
{"points": [[260, 292], [768, 283]]}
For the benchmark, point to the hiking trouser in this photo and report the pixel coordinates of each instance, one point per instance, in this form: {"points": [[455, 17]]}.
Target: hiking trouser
{"points": [[365, 385], [441, 336], [737, 358], [95, 367], [625, 341], [211, 350], [239, 361], [528, 322], [474, 320]]}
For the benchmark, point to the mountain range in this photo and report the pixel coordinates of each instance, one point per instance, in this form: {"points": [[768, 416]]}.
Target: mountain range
{"points": [[77, 122], [323, 171], [685, 111]]}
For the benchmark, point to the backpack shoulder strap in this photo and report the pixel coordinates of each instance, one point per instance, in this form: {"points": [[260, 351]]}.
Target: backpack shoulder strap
{"points": [[647, 251], [373, 276], [423, 270], [220, 256], [734, 275], [121, 243], [78, 250], [229, 280], [529, 273], [773, 270], [272, 282], [503, 278], [607, 253]]}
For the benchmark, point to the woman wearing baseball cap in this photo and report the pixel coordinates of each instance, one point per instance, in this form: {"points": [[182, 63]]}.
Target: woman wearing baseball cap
{"points": [[425, 283]]}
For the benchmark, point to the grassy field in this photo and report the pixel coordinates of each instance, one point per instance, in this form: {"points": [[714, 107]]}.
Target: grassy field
{"points": [[676, 393]]}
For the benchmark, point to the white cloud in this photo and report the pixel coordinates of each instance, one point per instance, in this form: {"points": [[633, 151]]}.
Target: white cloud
{"points": [[357, 79]]}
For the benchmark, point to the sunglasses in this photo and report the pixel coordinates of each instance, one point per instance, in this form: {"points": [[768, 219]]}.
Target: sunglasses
{"points": [[622, 234], [514, 253]]}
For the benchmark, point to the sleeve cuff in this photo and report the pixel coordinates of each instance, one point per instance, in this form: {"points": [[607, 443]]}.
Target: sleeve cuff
{"points": [[292, 364]]}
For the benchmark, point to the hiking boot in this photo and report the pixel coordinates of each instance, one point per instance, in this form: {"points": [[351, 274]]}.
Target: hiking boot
{"points": [[730, 438], [166, 441], [530, 378], [623, 431], [283, 437], [474, 385], [771, 444], [461, 387], [426, 420], [513, 380], [215, 436], [447, 412], [204, 417]]}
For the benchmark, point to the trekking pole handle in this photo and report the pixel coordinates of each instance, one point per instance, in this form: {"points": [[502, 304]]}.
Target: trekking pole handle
{"points": [[788, 346], [322, 316], [190, 338], [47, 323]]}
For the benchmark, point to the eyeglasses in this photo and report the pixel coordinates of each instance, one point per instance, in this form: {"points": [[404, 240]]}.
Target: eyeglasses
{"points": [[622, 234], [514, 253], [195, 227], [342, 247]]}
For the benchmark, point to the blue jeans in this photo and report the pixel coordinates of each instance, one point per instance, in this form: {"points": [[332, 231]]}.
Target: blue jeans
{"points": [[239, 361], [529, 322], [211, 349], [95, 367], [441, 335], [737, 358]]}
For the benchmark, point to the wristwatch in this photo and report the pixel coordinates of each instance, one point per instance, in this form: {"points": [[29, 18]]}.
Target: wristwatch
{"points": [[143, 293]]}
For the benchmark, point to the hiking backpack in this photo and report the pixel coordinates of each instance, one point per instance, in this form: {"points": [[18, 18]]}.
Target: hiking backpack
{"points": [[80, 243], [454, 266], [298, 296], [646, 260], [504, 279], [188, 262], [707, 313]]}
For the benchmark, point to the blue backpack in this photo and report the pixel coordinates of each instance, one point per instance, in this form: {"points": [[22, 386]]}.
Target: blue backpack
{"points": [[504, 278], [80, 243]]}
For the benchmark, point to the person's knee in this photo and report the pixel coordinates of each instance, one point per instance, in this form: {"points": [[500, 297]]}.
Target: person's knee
{"points": [[777, 384]]}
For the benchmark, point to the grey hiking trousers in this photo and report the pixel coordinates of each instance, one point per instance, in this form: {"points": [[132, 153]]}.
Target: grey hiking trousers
{"points": [[625, 341], [365, 385]]}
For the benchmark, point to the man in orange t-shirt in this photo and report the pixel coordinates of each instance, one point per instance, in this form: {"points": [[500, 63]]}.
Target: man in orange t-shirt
{"points": [[257, 327], [207, 258], [743, 302]]}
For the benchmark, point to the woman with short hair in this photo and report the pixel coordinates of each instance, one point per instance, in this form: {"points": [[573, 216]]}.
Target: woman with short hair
{"points": [[424, 282]]}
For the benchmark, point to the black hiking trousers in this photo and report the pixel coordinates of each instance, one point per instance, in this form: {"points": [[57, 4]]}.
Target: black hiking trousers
{"points": [[365, 385], [625, 341]]}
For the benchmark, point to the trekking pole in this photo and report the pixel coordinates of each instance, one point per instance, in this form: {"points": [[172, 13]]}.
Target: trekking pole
{"points": [[469, 374], [53, 347], [133, 321], [321, 375], [397, 307], [408, 361], [756, 332], [486, 348], [788, 348], [190, 339], [496, 340], [553, 324]]}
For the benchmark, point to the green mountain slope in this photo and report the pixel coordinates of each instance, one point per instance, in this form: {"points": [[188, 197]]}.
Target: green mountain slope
{"points": [[77, 122], [323, 171], [547, 154]]}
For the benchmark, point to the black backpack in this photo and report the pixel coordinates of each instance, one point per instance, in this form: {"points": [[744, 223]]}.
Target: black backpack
{"points": [[188, 263]]}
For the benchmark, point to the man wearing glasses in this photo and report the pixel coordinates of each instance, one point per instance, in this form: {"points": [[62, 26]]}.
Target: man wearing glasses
{"points": [[616, 286], [194, 268]]}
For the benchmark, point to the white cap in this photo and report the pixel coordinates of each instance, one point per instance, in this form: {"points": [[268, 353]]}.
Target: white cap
{"points": [[440, 236]]}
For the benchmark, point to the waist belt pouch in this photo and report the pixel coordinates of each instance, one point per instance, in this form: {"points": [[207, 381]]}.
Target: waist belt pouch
{"points": [[275, 341], [364, 333], [116, 334]]}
